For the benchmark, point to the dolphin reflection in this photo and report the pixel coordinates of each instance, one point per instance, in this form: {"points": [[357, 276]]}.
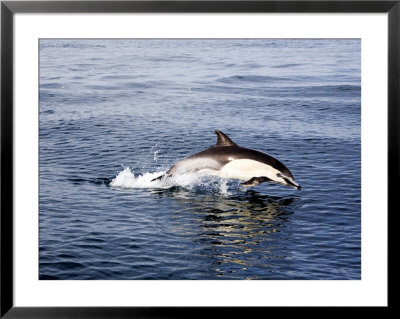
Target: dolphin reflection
{"points": [[248, 203], [241, 232]]}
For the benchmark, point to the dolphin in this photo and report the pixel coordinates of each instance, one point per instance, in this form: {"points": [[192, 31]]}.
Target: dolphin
{"points": [[228, 160]]}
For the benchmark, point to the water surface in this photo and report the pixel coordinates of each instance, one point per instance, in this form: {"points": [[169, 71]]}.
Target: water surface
{"points": [[116, 113]]}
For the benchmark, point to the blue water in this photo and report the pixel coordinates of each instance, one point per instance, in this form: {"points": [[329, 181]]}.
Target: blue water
{"points": [[116, 113]]}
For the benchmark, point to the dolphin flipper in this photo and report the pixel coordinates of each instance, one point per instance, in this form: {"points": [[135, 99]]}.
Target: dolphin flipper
{"points": [[254, 181]]}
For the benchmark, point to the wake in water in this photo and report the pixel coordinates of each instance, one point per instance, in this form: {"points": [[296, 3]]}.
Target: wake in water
{"points": [[190, 181]]}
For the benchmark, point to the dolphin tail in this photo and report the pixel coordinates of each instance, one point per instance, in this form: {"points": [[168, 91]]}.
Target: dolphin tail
{"points": [[159, 177]]}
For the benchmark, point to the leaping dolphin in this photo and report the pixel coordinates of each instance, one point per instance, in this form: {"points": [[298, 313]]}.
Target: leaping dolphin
{"points": [[228, 160]]}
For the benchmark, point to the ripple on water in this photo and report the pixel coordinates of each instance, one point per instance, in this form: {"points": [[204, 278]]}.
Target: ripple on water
{"points": [[114, 114]]}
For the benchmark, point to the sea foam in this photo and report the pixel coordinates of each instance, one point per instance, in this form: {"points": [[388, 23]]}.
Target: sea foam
{"points": [[191, 181]]}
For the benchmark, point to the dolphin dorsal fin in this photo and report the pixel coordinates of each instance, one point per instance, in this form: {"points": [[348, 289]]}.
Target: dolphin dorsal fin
{"points": [[223, 140]]}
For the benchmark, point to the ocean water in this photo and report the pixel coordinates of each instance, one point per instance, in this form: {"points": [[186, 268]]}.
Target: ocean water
{"points": [[114, 114]]}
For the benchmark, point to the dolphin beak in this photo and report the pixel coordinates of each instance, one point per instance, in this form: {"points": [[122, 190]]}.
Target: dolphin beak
{"points": [[289, 181], [295, 185]]}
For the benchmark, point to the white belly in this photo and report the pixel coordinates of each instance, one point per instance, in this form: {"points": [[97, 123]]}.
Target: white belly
{"points": [[245, 169]]}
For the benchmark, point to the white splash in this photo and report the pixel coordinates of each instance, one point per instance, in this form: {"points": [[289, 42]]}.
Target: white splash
{"points": [[127, 179]]}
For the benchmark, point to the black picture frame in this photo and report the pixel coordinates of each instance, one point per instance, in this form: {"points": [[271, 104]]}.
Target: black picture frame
{"points": [[9, 8]]}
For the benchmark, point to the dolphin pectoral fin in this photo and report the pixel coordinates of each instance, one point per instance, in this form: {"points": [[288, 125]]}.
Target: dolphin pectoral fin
{"points": [[290, 181], [254, 181]]}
